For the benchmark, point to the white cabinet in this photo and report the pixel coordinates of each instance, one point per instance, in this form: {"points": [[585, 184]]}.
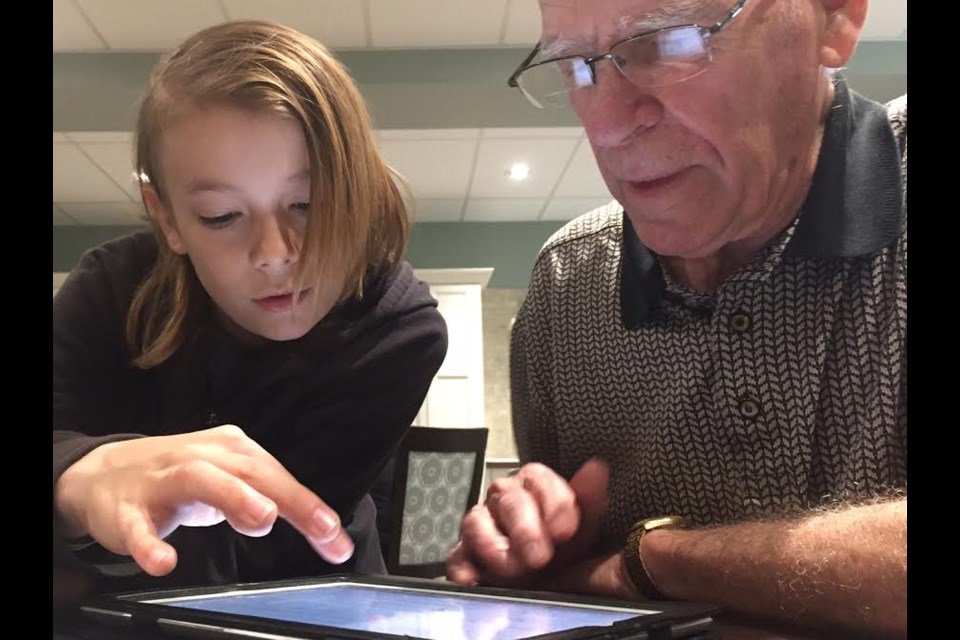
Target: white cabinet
{"points": [[455, 398]]}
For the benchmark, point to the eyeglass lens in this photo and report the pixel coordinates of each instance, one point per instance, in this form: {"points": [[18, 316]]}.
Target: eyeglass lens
{"points": [[659, 58]]}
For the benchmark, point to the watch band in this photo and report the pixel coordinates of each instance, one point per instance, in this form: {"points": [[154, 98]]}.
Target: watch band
{"points": [[633, 557]]}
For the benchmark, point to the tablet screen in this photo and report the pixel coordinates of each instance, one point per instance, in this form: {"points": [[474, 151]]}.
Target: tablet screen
{"points": [[408, 611]]}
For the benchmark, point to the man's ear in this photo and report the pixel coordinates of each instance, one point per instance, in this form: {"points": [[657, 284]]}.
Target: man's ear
{"points": [[163, 215], [841, 30]]}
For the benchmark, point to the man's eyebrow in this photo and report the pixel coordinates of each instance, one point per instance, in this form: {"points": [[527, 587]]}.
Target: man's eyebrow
{"points": [[671, 15], [558, 48], [676, 13]]}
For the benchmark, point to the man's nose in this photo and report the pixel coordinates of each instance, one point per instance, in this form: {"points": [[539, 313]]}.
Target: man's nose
{"points": [[614, 108]]}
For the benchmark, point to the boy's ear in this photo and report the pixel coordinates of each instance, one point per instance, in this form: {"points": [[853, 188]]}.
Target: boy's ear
{"points": [[163, 215], [841, 30]]}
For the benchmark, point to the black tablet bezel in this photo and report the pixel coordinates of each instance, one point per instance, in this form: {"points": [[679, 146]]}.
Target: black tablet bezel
{"points": [[130, 609]]}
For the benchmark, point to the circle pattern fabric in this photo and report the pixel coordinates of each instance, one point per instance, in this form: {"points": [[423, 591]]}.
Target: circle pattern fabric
{"points": [[435, 501]]}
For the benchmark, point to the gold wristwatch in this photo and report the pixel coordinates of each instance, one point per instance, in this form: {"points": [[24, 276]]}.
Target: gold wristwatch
{"points": [[633, 559]]}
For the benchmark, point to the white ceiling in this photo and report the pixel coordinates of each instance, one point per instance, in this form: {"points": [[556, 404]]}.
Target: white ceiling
{"points": [[455, 174], [138, 25]]}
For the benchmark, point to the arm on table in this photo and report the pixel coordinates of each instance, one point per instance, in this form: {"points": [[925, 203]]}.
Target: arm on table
{"points": [[844, 568]]}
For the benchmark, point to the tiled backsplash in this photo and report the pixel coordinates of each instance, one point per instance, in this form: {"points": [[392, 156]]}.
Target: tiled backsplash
{"points": [[499, 308]]}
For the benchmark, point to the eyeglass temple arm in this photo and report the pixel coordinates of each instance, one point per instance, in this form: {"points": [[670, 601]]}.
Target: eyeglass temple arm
{"points": [[512, 81], [737, 8]]}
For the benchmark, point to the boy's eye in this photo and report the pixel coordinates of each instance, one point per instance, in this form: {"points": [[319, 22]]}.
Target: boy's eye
{"points": [[219, 221]]}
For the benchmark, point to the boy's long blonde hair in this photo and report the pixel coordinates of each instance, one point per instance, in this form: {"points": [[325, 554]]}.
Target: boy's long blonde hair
{"points": [[358, 218]]}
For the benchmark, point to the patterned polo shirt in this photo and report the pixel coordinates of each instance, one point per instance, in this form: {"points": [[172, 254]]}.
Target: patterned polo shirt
{"points": [[783, 391]]}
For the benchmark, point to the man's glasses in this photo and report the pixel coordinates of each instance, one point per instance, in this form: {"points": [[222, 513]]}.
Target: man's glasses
{"points": [[652, 59]]}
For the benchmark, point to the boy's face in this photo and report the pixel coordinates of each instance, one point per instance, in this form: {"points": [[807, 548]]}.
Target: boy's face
{"points": [[238, 189]]}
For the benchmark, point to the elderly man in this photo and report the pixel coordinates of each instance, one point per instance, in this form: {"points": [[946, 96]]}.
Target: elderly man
{"points": [[709, 375]]}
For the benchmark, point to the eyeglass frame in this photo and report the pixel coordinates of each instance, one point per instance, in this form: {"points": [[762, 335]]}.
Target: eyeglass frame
{"points": [[705, 32]]}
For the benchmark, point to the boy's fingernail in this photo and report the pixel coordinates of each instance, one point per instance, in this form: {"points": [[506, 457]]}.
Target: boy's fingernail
{"points": [[326, 525]]}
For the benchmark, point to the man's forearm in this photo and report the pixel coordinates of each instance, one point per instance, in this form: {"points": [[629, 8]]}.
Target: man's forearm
{"points": [[843, 569]]}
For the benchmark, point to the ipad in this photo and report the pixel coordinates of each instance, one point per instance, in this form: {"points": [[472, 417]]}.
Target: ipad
{"points": [[362, 607]]}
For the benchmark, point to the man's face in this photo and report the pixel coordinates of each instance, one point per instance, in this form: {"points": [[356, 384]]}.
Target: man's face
{"points": [[716, 159], [238, 187]]}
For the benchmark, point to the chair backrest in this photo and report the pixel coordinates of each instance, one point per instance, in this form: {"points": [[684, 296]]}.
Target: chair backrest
{"points": [[437, 478]]}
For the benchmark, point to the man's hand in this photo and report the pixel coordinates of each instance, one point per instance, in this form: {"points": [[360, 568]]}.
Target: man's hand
{"points": [[130, 495], [529, 523]]}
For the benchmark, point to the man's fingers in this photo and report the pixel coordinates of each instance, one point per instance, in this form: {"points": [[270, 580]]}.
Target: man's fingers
{"points": [[460, 570], [555, 498], [526, 516], [517, 514], [589, 484], [489, 546]]}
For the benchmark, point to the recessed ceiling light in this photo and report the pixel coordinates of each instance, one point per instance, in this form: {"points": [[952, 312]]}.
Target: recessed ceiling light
{"points": [[519, 171]]}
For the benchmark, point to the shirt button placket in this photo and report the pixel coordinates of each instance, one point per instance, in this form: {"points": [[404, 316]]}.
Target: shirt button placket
{"points": [[737, 335]]}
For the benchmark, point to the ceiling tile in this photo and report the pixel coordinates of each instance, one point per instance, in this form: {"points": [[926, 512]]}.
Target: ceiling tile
{"points": [[104, 213], [71, 30], [125, 137], [546, 157], [429, 134], [438, 210], [523, 23], [335, 23], [886, 19], [502, 209], [60, 219], [570, 208], [516, 133], [436, 23], [77, 179], [433, 168], [153, 26], [59, 137], [582, 177], [116, 161]]}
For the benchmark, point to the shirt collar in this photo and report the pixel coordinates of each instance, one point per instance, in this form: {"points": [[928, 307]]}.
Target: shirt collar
{"points": [[853, 208]]}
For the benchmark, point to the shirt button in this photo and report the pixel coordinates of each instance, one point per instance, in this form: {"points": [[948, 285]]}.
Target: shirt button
{"points": [[749, 408], [739, 322]]}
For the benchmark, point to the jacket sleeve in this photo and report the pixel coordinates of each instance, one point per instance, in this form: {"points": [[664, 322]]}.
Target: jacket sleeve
{"points": [[90, 370]]}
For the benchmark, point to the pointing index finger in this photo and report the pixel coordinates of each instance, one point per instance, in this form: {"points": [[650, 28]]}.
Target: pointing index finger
{"points": [[301, 507]]}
